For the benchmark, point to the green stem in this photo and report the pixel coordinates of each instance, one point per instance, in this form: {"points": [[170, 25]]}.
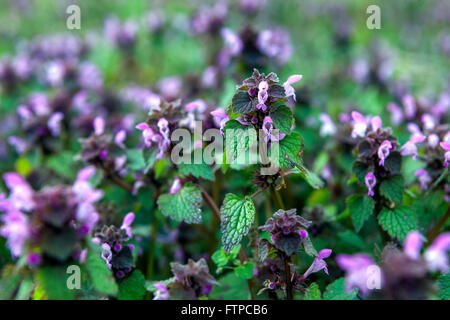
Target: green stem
{"points": [[151, 254]]}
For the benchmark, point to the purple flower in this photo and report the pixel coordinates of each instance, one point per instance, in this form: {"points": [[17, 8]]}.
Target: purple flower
{"points": [[170, 87], [220, 118], [86, 196], [410, 106], [318, 263], [433, 140], [275, 43], [424, 178], [262, 95], [164, 144], [18, 143], [356, 268], [396, 113], [376, 123], [289, 90], [99, 126], [428, 121], [148, 134], [413, 244], [21, 195], [161, 292], [54, 123], [16, 228], [107, 254], [384, 151], [233, 44], [34, 259], [410, 148], [268, 129], [436, 255], [126, 225], [446, 147], [176, 186], [359, 125], [198, 105], [371, 181], [120, 137]]}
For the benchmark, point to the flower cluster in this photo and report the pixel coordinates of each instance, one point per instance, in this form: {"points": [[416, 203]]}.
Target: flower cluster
{"points": [[51, 223], [117, 255]]}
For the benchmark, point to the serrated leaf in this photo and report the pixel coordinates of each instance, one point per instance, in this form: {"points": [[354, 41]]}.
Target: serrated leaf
{"points": [[290, 149], [360, 169], [360, 207], [309, 247], [237, 216], [135, 159], [182, 206], [263, 250], [393, 162], [242, 102], [276, 91], [99, 274], [444, 284], [336, 291], [132, 287], [392, 188], [237, 141], [398, 222], [282, 118], [221, 258], [313, 292], [245, 271], [201, 170]]}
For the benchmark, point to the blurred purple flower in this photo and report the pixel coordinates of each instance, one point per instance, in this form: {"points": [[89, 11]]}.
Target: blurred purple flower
{"points": [[356, 267], [424, 178], [370, 181]]}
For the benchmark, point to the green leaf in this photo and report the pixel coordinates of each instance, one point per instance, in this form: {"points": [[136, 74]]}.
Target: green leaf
{"points": [[360, 169], [310, 177], [25, 289], [221, 258], [149, 156], [58, 245], [313, 292], [393, 162], [309, 247], [237, 141], [182, 206], [336, 291], [398, 222], [53, 281], [444, 284], [360, 207], [282, 118], [290, 149], [392, 188], [242, 102], [132, 287], [263, 250], [135, 159], [99, 274], [245, 271], [201, 170], [237, 216]]}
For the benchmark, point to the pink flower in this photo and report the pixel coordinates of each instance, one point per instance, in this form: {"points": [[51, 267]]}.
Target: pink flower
{"points": [[370, 181], [433, 140], [127, 221], [198, 104], [356, 267], [428, 121], [328, 128], [359, 125], [318, 263], [161, 292], [290, 91], [410, 148], [34, 259], [99, 126], [376, 123], [16, 228], [21, 195], [176, 186], [396, 113], [413, 244], [410, 106], [233, 44], [384, 151], [436, 255], [148, 134], [262, 95], [446, 147], [54, 123], [107, 254], [220, 118], [120, 137]]}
